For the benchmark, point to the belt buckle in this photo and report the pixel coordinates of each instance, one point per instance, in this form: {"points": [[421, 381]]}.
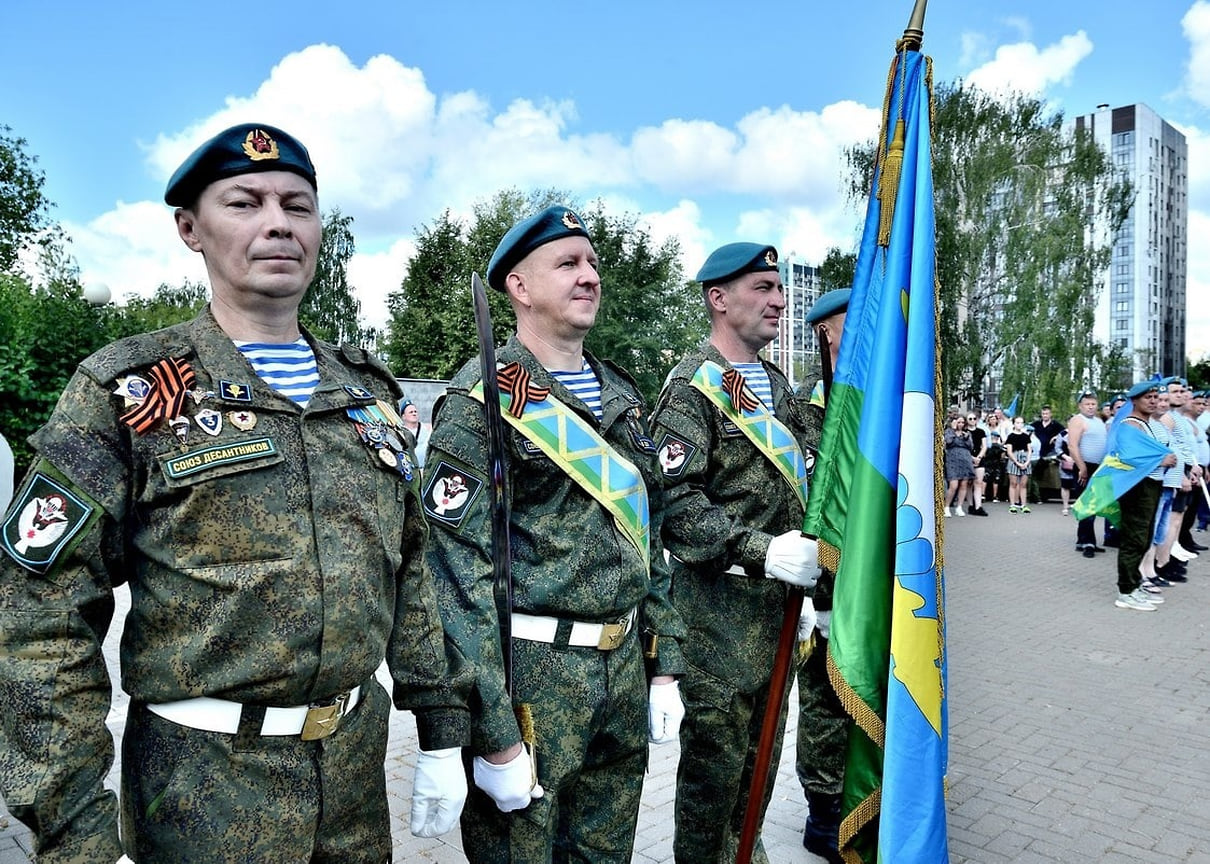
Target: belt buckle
{"points": [[323, 720], [612, 634]]}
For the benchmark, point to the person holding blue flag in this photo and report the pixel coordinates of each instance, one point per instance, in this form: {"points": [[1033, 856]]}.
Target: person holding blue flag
{"points": [[1126, 488]]}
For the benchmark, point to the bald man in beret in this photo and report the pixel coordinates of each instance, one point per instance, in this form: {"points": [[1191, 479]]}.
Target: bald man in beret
{"points": [[589, 581], [269, 528], [731, 435]]}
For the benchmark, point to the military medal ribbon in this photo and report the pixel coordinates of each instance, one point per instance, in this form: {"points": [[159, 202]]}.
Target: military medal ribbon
{"points": [[741, 400], [170, 379], [514, 379]]}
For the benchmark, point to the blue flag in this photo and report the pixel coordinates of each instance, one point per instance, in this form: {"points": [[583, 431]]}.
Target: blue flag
{"points": [[1130, 455], [872, 505]]}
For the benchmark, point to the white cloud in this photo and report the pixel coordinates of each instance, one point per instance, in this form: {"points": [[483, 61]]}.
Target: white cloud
{"points": [[1022, 67], [1196, 25], [1197, 288], [394, 155]]}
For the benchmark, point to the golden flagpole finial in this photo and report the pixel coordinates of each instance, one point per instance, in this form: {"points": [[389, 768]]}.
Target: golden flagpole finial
{"points": [[913, 36]]}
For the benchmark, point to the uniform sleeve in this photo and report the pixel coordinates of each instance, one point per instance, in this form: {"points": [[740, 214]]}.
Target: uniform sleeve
{"points": [[431, 676], [660, 617], [696, 529], [457, 503], [56, 604]]}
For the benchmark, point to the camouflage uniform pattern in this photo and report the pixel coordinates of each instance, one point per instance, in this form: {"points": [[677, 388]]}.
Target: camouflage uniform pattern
{"points": [[571, 562], [823, 724], [273, 581], [725, 503]]}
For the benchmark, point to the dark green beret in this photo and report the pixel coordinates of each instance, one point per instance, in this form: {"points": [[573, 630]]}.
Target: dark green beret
{"points": [[244, 149], [736, 259], [829, 304], [545, 226], [1145, 387]]}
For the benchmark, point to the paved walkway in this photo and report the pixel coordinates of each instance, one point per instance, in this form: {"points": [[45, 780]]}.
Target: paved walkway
{"points": [[1079, 732]]}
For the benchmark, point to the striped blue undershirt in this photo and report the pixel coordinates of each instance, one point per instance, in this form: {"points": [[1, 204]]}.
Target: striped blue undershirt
{"points": [[290, 369], [584, 386], [758, 381]]}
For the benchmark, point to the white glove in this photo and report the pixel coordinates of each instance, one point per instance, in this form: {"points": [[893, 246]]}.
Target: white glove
{"points": [[664, 713], [823, 622], [793, 558], [438, 791], [806, 620], [511, 785]]}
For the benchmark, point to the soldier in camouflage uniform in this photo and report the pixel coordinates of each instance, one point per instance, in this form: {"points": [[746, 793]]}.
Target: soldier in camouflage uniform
{"points": [[588, 580], [823, 724], [274, 551], [729, 433]]}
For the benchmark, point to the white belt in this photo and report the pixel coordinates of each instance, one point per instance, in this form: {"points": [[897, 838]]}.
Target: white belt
{"points": [[310, 722], [540, 628]]}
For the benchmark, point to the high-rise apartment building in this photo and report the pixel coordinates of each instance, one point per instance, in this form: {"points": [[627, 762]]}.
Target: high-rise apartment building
{"points": [[1141, 302], [794, 349]]}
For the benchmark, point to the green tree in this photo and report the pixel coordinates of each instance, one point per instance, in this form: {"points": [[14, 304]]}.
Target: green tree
{"points": [[24, 210], [171, 304], [330, 309], [1016, 195], [837, 269]]}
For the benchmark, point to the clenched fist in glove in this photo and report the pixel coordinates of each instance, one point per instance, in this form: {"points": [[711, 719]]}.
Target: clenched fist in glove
{"points": [[438, 791], [512, 784], [664, 712], [793, 559]]}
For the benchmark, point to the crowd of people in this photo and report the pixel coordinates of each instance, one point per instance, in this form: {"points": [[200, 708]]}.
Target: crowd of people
{"points": [[1152, 519]]}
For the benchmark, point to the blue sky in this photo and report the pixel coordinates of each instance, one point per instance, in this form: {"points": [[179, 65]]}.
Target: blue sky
{"points": [[712, 121]]}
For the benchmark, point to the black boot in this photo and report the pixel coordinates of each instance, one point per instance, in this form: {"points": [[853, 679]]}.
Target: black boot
{"points": [[822, 832]]}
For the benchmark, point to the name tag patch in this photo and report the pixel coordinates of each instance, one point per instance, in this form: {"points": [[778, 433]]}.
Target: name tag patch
{"points": [[187, 464]]}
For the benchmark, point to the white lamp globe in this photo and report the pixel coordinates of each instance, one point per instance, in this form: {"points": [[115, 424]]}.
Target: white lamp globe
{"points": [[96, 293]]}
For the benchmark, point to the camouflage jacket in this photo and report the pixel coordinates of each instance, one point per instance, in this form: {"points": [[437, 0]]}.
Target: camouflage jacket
{"points": [[276, 560], [569, 559], [726, 501]]}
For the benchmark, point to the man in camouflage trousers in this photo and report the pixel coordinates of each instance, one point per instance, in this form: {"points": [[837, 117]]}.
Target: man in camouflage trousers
{"points": [[730, 431], [270, 531], [590, 585], [823, 724]]}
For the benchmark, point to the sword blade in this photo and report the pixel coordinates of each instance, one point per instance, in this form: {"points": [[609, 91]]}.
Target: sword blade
{"points": [[497, 470]]}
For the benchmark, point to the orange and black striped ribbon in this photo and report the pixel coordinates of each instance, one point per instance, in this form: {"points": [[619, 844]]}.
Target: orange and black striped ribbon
{"points": [[514, 380], [741, 400], [170, 378]]}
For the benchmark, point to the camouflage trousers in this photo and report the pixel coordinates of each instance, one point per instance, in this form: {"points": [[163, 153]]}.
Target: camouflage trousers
{"points": [[194, 796], [719, 739], [590, 722], [823, 727]]}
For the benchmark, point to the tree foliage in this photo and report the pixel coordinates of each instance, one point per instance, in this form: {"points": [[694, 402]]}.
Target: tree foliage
{"points": [[24, 210], [330, 310], [1016, 195], [648, 315], [837, 269]]}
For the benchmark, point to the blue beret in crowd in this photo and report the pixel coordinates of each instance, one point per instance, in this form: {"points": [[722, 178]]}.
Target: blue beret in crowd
{"points": [[736, 259], [545, 226], [1147, 386], [829, 304], [244, 149]]}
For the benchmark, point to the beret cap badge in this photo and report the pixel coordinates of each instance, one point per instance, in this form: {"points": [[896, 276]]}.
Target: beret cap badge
{"points": [[771, 257], [572, 221], [259, 145]]}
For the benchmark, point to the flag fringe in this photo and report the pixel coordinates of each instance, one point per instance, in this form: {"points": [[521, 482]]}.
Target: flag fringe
{"points": [[863, 715], [861, 816]]}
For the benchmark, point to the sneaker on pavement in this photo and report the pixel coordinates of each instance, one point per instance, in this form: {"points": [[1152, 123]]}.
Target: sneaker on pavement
{"points": [[1012, 508], [1195, 547], [947, 512], [1130, 601], [1024, 508], [1154, 584], [1088, 553], [1182, 554], [958, 511]]}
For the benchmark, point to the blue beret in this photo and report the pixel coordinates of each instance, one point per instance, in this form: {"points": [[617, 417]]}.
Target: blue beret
{"points": [[735, 259], [244, 149], [829, 304], [545, 226], [1145, 387]]}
